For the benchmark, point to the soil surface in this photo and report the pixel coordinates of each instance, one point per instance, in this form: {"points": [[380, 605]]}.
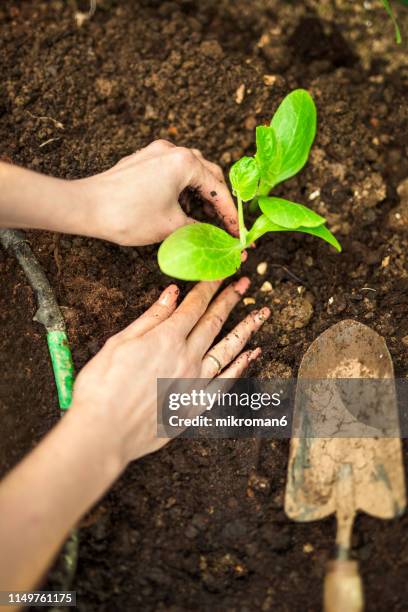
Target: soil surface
{"points": [[200, 525]]}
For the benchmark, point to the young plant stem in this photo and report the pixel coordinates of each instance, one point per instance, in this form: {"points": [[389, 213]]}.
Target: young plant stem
{"points": [[241, 222], [263, 190], [253, 206]]}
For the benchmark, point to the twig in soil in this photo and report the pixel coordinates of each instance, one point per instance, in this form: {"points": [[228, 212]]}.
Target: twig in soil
{"points": [[92, 8], [291, 274], [49, 141], [256, 458], [258, 444], [257, 482], [57, 124], [48, 313], [57, 255], [81, 17], [69, 556]]}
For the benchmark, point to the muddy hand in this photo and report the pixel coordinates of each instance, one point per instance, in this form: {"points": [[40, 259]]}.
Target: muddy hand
{"points": [[137, 201], [117, 389]]}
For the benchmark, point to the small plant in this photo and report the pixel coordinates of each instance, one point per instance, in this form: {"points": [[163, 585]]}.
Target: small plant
{"points": [[390, 12], [204, 252]]}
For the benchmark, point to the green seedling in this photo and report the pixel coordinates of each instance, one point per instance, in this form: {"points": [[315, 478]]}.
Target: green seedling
{"points": [[204, 252], [390, 12]]}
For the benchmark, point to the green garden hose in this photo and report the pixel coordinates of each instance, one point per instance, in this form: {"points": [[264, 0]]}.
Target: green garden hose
{"points": [[49, 314], [62, 365]]}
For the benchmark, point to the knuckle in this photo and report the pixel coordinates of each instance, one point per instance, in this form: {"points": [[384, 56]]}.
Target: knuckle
{"points": [[161, 312], [194, 300], [112, 342], [230, 352], [182, 156], [162, 309], [217, 169], [215, 323], [251, 319], [206, 289], [125, 159], [172, 338], [162, 142], [244, 332]]}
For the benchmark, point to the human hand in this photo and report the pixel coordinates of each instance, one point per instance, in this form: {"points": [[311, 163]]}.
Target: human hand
{"points": [[116, 391], [136, 202]]}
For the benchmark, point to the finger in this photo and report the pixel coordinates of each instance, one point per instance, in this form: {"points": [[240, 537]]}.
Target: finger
{"points": [[209, 210], [194, 306], [176, 218], [161, 310], [210, 324], [225, 380], [216, 192], [220, 355], [240, 364], [214, 168]]}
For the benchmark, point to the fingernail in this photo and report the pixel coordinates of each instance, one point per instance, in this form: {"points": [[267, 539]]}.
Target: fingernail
{"points": [[255, 354], [242, 285], [169, 295], [264, 314]]}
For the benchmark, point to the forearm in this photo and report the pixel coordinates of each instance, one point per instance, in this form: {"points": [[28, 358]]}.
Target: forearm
{"points": [[32, 200], [47, 493]]}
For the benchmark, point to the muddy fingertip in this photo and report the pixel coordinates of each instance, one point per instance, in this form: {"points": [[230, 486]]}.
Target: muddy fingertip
{"points": [[242, 285], [255, 354], [263, 314], [169, 295]]}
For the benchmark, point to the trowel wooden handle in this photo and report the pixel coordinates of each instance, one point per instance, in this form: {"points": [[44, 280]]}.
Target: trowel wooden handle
{"points": [[343, 590]]}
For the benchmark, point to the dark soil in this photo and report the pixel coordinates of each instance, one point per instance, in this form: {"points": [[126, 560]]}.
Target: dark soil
{"points": [[188, 528]]}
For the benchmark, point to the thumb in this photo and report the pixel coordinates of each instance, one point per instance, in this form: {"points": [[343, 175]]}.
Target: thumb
{"points": [[217, 194], [179, 219]]}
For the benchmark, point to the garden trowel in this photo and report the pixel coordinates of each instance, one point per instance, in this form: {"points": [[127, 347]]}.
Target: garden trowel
{"points": [[345, 453]]}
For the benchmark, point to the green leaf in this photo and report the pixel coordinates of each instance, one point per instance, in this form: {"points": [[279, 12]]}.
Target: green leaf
{"points": [[288, 214], [323, 233], [267, 155], [199, 252], [263, 225], [294, 124], [388, 8], [244, 177]]}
